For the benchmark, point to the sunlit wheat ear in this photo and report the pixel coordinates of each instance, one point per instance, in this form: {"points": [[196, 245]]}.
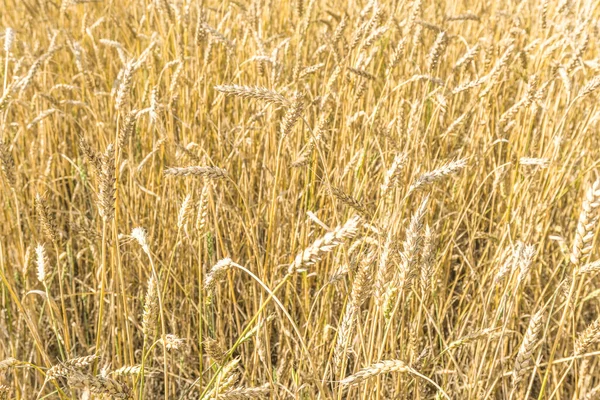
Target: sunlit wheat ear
{"points": [[99, 385], [436, 51], [379, 368], [471, 337], [28, 80], [8, 363], [217, 272], [588, 219], [8, 164], [90, 155], [361, 290], [412, 247], [127, 129], [590, 268], [391, 176], [208, 172], [468, 56], [524, 357], [589, 87], [436, 175], [525, 263], [150, 313], [106, 195], [127, 370], [350, 201], [293, 113], [326, 244], [510, 259], [258, 93], [184, 211], [247, 393], [225, 379], [587, 338], [125, 86], [47, 221]]}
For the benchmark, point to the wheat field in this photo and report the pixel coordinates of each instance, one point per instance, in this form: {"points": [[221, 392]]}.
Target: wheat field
{"points": [[261, 199]]}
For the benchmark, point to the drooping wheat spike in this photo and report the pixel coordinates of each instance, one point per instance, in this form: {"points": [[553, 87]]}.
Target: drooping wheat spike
{"points": [[42, 116], [80, 362], [127, 370], [363, 281], [208, 172], [589, 87], [436, 175], [125, 85], [379, 368], [492, 77], [7, 163], [150, 313], [8, 363], [339, 30], [467, 57], [412, 247], [213, 348], [362, 73], [225, 379], [216, 273], [184, 211], [324, 245], [588, 337], [524, 357], [26, 82], [258, 93], [106, 195], [436, 51], [510, 259], [47, 221], [344, 333], [127, 129], [293, 113], [544, 14], [248, 393], [396, 55], [90, 154], [99, 385], [202, 213], [590, 268], [392, 174], [471, 337], [57, 371], [588, 218], [139, 234], [525, 262], [350, 201]]}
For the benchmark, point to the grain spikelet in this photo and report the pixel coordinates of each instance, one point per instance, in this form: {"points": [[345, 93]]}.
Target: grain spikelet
{"points": [[324, 245], [436, 175], [208, 172], [525, 355]]}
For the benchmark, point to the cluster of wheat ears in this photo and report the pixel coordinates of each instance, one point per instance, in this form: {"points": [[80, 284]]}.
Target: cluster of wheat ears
{"points": [[245, 199]]}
